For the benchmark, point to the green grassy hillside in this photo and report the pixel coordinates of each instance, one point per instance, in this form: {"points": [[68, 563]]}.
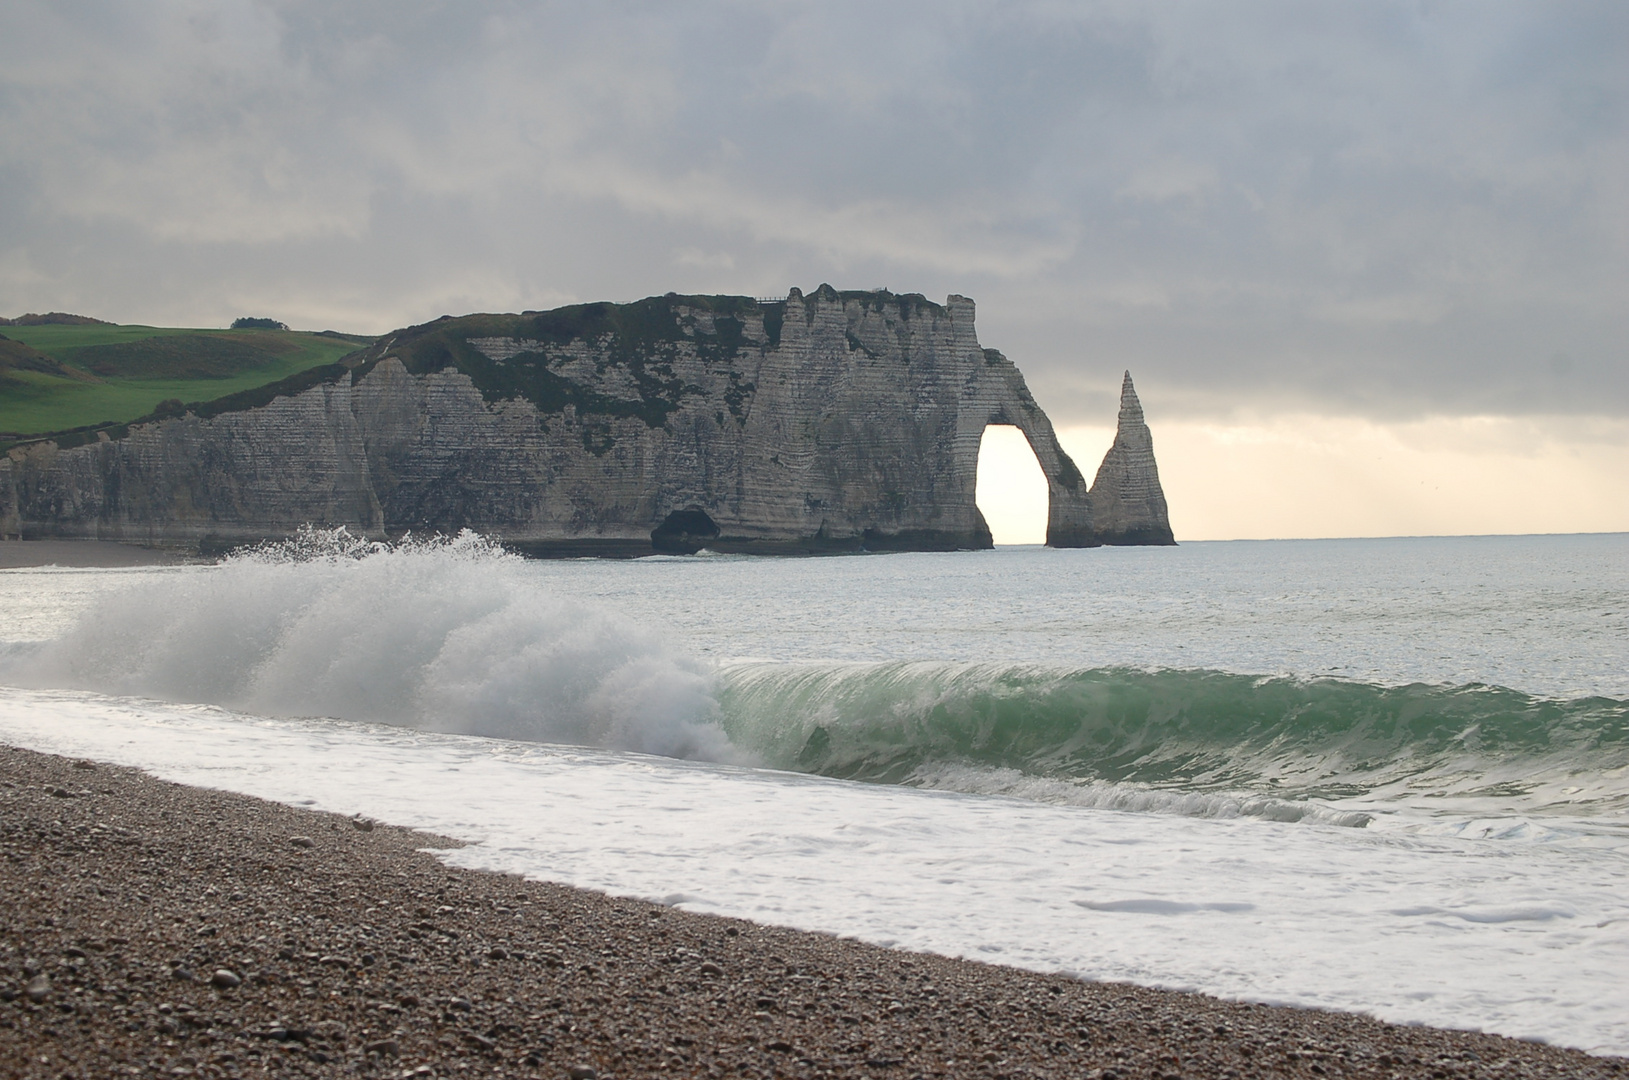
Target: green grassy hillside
{"points": [[53, 378]]}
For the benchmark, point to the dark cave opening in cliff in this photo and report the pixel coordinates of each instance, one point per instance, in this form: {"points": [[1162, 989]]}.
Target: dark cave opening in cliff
{"points": [[1011, 489]]}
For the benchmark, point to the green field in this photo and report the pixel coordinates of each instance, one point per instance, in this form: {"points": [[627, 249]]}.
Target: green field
{"points": [[83, 375]]}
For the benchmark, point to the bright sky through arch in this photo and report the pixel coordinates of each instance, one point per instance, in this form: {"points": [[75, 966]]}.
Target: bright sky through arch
{"points": [[1011, 492]]}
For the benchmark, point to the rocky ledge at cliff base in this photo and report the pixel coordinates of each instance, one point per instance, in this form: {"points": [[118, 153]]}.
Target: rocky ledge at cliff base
{"points": [[836, 421]]}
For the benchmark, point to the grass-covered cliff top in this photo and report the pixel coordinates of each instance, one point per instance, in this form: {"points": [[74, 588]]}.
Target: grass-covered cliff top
{"points": [[70, 378], [642, 327], [643, 337], [57, 377]]}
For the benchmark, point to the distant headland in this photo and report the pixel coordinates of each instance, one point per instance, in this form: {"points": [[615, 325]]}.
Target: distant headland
{"points": [[827, 422]]}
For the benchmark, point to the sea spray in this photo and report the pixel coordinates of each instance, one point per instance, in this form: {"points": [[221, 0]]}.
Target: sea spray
{"points": [[443, 634]]}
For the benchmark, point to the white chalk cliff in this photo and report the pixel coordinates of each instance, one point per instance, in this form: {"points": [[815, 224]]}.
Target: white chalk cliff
{"points": [[827, 422]]}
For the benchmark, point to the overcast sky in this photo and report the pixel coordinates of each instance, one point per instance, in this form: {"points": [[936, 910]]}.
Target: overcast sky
{"points": [[1378, 212]]}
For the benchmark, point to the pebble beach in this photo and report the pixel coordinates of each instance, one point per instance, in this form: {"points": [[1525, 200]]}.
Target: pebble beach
{"points": [[153, 929]]}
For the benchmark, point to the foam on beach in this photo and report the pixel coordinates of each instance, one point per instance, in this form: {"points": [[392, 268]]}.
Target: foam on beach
{"points": [[302, 942]]}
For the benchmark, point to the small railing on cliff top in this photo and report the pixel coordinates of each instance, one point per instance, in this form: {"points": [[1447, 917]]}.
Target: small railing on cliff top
{"points": [[770, 299]]}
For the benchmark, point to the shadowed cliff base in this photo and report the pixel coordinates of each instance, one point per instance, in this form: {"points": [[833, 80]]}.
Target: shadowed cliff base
{"points": [[84, 554], [831, 422], [1136, 538]]}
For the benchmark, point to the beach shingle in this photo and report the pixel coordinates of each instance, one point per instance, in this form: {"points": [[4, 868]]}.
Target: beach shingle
{"points": [[124, 909]]}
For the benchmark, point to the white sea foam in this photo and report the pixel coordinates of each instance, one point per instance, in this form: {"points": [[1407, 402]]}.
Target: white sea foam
{"points": [[1141, 798], [449, 636]]}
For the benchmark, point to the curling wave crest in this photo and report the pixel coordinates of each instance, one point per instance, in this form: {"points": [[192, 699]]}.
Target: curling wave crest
{"points": [[1199, 743]]}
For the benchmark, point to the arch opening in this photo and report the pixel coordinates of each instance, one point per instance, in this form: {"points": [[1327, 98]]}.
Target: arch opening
{"points": [[1011, 489]]}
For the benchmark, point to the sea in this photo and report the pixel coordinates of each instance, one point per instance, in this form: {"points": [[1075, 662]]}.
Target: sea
{"points": [[1381, 776]]}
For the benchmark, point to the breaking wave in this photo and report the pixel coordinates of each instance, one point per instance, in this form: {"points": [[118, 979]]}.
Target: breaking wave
{"points": [[1206, 743], [456, 635], [442, 634]]}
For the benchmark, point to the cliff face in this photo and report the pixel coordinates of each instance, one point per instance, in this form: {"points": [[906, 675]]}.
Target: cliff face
{"points": [[836, 421]]}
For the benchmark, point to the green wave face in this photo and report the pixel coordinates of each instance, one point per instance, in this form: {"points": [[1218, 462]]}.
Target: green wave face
{"points": [[1189, 730]]}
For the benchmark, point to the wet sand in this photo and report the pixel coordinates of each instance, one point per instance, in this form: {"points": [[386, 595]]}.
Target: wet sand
{"points": [[83, 554], [148, 928]]}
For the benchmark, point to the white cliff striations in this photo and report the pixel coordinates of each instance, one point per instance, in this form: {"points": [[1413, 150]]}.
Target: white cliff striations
{"points": [[828, 422]]}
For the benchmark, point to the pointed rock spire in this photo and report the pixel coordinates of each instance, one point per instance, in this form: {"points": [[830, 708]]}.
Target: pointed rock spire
{"points": [[1128, 505], [1131, 409]]}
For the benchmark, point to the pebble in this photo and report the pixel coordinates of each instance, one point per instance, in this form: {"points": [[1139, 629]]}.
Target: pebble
{"points": [[300, 841], [379, 894], [226, 980], [365, 824]]}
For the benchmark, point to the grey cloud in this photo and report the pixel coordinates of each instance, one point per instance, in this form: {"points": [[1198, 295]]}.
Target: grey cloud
{"points": [[1386, 209]]}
